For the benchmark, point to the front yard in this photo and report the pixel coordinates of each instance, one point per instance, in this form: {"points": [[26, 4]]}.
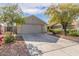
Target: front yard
{"points": [[70, 38], [17, 48], [72, 34]]}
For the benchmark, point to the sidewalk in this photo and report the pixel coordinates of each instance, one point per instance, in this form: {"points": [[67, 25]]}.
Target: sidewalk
{"points": [[68, 51]]}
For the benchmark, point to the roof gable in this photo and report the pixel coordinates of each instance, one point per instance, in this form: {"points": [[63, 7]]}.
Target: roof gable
{"points": [[34, 20]]}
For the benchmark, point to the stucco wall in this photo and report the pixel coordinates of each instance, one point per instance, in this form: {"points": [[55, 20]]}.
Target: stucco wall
{"points": [[33, 25]]}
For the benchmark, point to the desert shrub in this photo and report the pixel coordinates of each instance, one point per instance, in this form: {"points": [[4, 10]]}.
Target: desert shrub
{"points": [[57, 31], [9, 38], [73, 32]]}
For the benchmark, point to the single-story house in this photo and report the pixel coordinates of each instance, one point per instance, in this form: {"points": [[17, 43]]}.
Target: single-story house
{"points": [[32, 25]]}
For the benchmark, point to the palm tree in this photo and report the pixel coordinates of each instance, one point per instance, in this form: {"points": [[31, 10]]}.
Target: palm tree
{"points": [[63, 14]]}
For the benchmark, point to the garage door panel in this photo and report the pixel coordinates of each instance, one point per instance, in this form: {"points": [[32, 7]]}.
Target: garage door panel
{"points": [[31, 29]]}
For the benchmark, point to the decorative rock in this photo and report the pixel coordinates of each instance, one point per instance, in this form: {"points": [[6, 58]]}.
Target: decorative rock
{"points": [[33, 50]]}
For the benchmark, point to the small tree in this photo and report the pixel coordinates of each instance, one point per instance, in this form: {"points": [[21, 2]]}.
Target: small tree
{"points": [[63, 14], [11, 15]]}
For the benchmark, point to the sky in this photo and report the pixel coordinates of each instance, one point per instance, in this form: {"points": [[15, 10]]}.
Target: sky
{"points": [[36, 9]]}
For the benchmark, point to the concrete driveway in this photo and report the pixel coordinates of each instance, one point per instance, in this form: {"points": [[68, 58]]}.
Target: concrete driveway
{"points": [[52, 46]]}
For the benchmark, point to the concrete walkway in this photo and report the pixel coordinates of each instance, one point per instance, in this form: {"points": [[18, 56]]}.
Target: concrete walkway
{"points": [[52, 46]]}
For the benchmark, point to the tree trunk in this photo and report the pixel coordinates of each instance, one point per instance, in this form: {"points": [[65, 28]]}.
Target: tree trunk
{"points": [[65, 29]]}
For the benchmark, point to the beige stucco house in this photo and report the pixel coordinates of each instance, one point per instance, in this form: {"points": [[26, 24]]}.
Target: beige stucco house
{"points": [[32, 25]]}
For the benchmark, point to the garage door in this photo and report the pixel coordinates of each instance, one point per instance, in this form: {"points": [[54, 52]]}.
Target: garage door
{"points": [[31, 29]]}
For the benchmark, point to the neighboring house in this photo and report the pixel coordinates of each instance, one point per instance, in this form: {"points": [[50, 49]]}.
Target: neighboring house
{"points": [[74, 25], [32, 25], [2, 28], [5, 28]]}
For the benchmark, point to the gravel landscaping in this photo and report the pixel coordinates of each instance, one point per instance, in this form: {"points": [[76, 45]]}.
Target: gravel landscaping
{"points": [[18, 48], [70, 38]]}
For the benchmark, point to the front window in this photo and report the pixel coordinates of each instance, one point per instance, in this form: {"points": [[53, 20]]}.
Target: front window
{"points": [[9, 28]]}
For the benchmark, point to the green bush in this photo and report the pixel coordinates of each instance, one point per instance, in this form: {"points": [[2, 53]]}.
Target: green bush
{"points": [[73, 33], [9, 38], [57, 31], [71, 30]]}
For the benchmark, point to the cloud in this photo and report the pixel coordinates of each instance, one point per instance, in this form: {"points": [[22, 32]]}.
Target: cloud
{"points": [[33, 5], [34, 8], [33, 11]]}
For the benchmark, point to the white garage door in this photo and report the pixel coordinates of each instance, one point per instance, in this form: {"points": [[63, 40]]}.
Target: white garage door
{"points": [[31, 29]]}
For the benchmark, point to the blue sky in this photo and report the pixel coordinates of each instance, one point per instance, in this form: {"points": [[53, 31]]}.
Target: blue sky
{"points": [[36, 9]]}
